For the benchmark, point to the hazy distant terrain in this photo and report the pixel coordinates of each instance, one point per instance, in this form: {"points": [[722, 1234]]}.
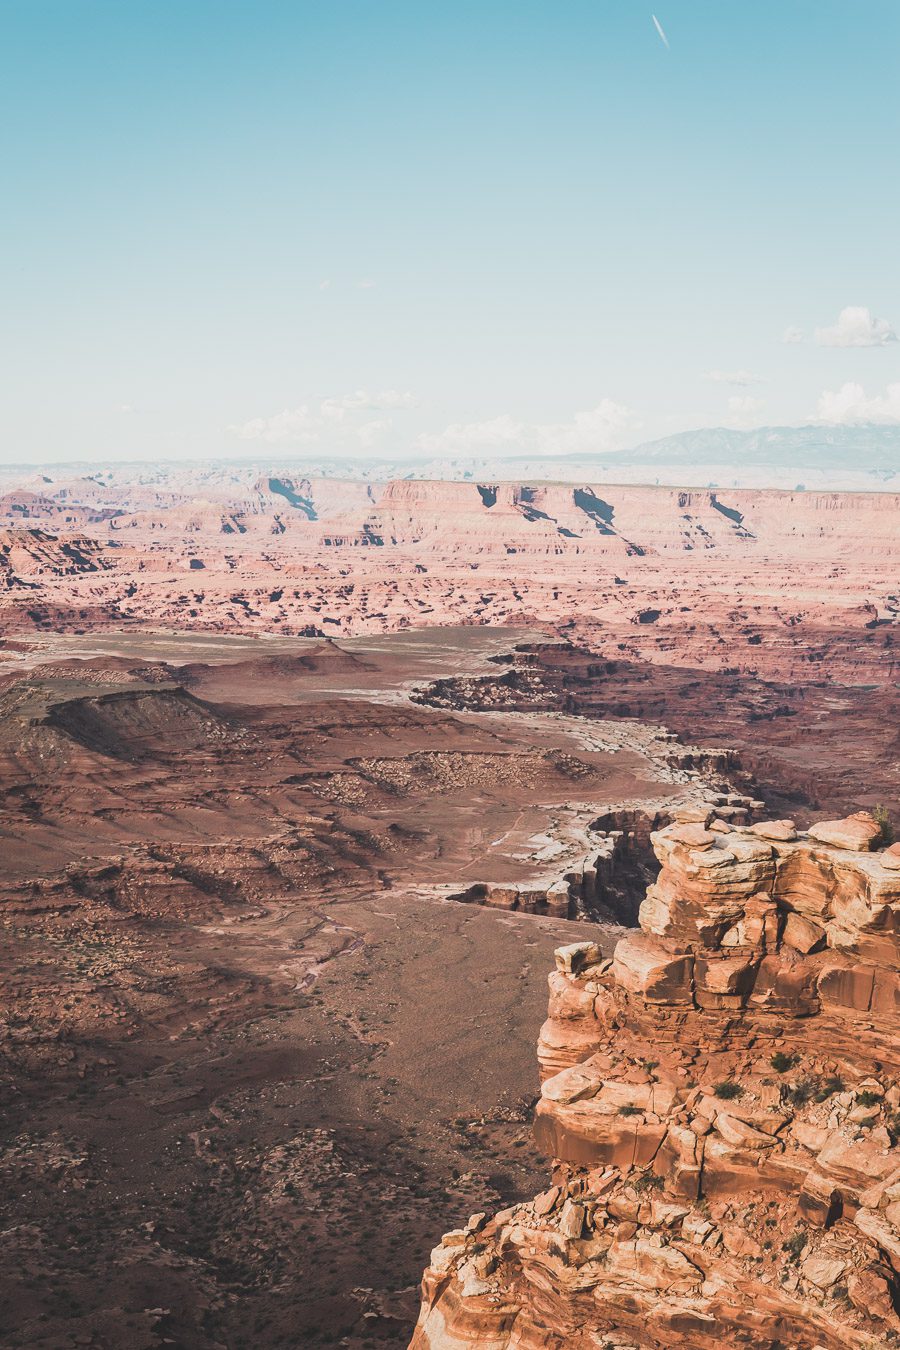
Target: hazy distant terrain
{"points": [[862, 458]]}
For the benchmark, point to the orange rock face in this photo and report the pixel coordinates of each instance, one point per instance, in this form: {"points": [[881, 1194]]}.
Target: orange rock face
{"points": [[721, 1105]]}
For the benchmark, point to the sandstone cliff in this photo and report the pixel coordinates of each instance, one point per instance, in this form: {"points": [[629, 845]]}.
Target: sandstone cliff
{"points": [[721, 1105]]}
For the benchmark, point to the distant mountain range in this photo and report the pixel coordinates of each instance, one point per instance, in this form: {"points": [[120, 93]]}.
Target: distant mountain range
{"points": [[853, 458], [869, 448], [863, 458]]}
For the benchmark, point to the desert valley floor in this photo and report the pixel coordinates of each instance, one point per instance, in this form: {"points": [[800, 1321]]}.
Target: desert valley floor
{"points": [[265, 1051]]}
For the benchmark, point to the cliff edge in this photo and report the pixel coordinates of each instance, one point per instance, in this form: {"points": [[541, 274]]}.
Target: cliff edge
{"points": [[720, 1101]]}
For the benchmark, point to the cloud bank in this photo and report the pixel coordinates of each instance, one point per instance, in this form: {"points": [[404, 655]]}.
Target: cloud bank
{"points": [[333, 420], [851, 404], [603, 428], [856, 326], [311, 423]]}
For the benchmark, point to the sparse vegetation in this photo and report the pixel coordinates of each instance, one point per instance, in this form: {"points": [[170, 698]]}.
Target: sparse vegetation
{"points": [[828, 1086], [727, 1090], [649, 1182], [801, 1092], [781, 1062], [885, 824], [811, 1088], [795, 1244], [629, 1110]]}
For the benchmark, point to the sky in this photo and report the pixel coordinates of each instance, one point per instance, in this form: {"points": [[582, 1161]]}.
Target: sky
{"points": [[395, 227]]}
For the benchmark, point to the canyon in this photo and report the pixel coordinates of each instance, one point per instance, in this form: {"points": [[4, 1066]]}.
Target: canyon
{"points": [[303, 782], [761, 581]]}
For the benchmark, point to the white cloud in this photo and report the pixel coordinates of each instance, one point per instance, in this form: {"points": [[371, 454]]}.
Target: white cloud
{"points": [[739, 378], [371, 432], [367, 285], [333, 422], [598, 429], [743, 409], [792, 335], [299, 425], [851, 404], [856, 327], [471, 436], [382, 400]]}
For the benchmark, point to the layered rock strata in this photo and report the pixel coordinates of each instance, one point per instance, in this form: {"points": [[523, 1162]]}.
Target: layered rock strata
{"points": [[590, 885], [797, 586], [720, 1100]]}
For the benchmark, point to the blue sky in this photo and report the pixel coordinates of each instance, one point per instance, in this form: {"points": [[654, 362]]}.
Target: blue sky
{"points": [[387, 226]]}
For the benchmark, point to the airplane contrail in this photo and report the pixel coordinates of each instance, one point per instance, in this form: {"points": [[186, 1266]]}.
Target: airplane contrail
{"points": [[659, 28]]}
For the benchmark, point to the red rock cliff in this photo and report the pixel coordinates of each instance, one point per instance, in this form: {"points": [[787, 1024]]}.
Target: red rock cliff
{"points": [[721, 1104]]}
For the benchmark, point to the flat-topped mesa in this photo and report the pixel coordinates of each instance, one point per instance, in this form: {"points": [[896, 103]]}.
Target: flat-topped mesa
{"points": [[721, 1102]]}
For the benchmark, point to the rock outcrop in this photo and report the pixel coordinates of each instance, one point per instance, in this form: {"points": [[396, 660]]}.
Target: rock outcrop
{"points": [[720, 1101]]}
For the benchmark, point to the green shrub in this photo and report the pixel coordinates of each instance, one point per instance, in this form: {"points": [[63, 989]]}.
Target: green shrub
{"points": [[728, 1089], [781, 1062], [795, 1244], [883, 820], [812, 1089], [828, 1086], [867, 1098], [629, 1110], [648, 1182]]}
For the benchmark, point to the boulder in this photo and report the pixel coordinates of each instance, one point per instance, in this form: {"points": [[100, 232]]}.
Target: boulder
{"points": [[870, 1292], [855, 1164], [571, 1220], [724, 981], [545, 1203], [692, 835], [564, 1042], [860, 832], [781, 831], [876, 1227], [573, 958], [642, 967], [739, 1134], [572, 1085], [822, 1270], [692, 815], [802, 934], [820, 1201], [663, 1269]]}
